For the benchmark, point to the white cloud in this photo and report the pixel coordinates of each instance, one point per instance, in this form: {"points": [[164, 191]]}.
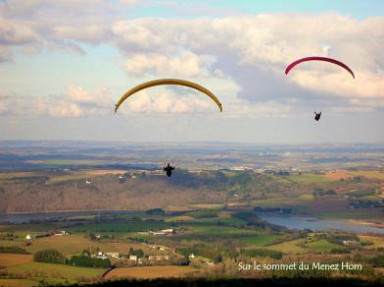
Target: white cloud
{"points": [[78, 94], [254, 50], [5, 54], [3, 107], [129, 2], [65, 109], [340, 83], [186, 65], [268, 109], [46, 24], [89, 33], [162, 100], [15, 33], [251, 51], [76, 102]]}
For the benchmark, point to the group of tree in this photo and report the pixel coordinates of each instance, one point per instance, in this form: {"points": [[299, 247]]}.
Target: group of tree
{"points": [[188, 251], [49, 256], [253, 220], [319, 192], [13, 249], [88, 261], [155, 211], [84, 260], [138, 252], [339, 239], [262, 253]]}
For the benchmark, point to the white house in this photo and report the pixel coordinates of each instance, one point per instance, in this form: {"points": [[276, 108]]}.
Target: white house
{"points": [[115, 255], [101, 255], [59, 232], [133, 258]]}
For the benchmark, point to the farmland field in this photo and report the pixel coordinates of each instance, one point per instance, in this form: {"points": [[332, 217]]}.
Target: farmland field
{"points": [[321, 245], [9, 243], [132, 226], [377, 242], [36, 269], [259, 240], [17, 282], [9, 259], [67, 245], [150, 272], [290, 247], [307, 178], [344, 174]]}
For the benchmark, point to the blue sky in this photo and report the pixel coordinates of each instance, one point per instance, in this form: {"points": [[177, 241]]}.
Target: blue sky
{"points": [[190, 8], [63, 65]]}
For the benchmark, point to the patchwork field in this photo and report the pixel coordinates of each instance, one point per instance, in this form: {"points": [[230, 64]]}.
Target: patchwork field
{"points": [[219, 214]]}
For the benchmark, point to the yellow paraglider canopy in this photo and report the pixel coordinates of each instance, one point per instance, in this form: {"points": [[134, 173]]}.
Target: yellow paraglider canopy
{"points": [[169, 82]]}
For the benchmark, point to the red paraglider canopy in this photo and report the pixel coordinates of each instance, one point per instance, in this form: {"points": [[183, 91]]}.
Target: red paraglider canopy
{"points": [[325, 59]]}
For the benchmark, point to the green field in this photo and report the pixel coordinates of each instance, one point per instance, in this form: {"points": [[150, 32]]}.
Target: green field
{"points": [[290, 247], [59, 271], [9, 243], [259, 240], [321, 245], [213, 230], [149, 272], [21, 230], [309, 178], [67, 245], [228, 221], [131, 226]]}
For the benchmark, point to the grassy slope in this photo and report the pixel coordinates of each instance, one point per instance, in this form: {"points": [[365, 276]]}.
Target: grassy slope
{"points": [[309, 178], [322, 245], [37, 269], [67, 245], [150, 272]]}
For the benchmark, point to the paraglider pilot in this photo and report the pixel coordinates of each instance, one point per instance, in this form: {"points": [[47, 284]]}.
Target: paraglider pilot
{"points": [[168, 169], [317, 116]]}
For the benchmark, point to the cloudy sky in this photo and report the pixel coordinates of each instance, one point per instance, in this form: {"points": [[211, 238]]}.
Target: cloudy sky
{"points": [[65, 63]]}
